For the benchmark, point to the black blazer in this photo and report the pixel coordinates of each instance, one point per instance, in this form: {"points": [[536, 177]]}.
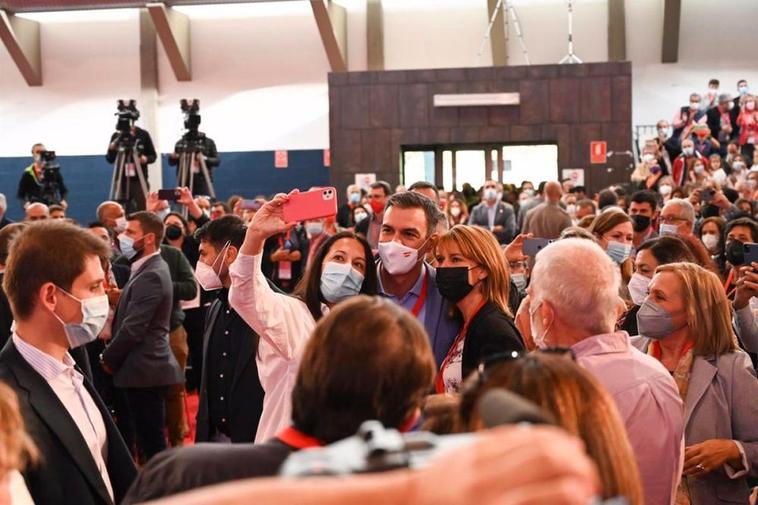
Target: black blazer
{"points": [[186, 468], [67, 473], [246, 402], [491, 332]]}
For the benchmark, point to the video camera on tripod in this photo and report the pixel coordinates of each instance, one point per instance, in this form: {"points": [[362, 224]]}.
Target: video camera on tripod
{"points": [[49, 176], [127, 113], [191, 148], [127, 163]]}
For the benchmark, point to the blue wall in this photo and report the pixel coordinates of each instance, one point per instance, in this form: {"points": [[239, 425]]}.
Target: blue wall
{"points": [[88, 178]]}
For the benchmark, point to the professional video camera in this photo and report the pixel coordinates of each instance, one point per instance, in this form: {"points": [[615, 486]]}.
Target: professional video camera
{"points": [[127, 114], [191, 148], [191, 109], [49, 177]]}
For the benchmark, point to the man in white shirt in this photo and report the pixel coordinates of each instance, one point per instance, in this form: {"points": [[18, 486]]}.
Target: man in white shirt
{"points": [[54, 282]]}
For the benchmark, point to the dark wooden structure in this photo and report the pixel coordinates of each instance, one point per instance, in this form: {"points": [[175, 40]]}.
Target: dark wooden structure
{"points": [[374, 114]]}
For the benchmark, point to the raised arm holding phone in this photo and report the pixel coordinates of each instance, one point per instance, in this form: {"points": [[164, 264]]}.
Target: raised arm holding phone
{"points": [[342, 267]]}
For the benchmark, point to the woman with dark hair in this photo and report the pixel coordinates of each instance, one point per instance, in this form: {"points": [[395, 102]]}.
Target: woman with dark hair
{"points": [[711, 234], [342, 267], [650, 255]]}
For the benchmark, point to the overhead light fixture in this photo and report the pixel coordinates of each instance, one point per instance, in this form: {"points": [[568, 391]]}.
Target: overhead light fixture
{"points": [[476, 99]]}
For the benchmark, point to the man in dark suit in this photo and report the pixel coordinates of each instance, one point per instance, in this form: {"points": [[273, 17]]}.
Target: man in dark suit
{"points": [[54, 281], [139, 355], [231, 396], [494, 214]]}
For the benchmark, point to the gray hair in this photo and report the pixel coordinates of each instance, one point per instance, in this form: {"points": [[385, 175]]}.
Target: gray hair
{"points": [[686, 210], [585, 297]]}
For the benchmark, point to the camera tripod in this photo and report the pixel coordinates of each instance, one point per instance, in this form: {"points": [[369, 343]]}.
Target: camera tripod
{"points": [[126, 154], [190, 149]]}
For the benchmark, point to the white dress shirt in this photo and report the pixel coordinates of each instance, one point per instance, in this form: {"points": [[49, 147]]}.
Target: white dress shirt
{"points": [[284, 325], [68, 386]]}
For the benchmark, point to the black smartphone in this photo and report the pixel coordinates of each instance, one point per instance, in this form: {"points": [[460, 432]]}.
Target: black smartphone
{"points": [[534, 245], [751, 253], [171, 195], [707, 194]]}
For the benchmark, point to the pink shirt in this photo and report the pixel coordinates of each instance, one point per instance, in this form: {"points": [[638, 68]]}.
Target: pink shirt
{"points": [[651, 409]]}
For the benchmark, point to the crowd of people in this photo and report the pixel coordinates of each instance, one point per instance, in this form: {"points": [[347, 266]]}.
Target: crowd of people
{"points": [[627, 317]]}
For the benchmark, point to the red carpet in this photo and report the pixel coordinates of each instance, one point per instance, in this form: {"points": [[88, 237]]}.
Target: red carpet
{"points": [[191, 402]]}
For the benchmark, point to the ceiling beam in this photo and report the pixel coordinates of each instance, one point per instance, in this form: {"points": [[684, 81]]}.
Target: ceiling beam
{"points": [[375, 35], [616, 30], [173, 30], [672, 15], [332, 27], [21, 37], [497, 35]]}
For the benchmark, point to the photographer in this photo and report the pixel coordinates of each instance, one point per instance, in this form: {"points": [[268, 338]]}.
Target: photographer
{"points": [[201, 147], [42, 180], [138, 144]]}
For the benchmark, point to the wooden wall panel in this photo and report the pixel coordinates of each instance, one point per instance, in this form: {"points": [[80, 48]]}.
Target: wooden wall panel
{"points": [[374, 114]]}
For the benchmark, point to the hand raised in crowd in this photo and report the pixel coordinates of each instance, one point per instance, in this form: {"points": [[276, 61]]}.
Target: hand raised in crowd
{"points": [[152, 201], [705, 457], [268, 221], [747, 286], [515, 250], [185, 198], [143, 159]]}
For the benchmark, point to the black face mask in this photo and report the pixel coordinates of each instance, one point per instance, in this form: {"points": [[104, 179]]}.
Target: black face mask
{"points": [[640, 223], [709, 211], [173, 232], [735, 252], [452, 283]]}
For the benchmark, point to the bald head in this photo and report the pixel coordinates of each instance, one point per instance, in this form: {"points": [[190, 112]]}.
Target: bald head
{"points": [[553, 192], [37, 211], [108, 212]]}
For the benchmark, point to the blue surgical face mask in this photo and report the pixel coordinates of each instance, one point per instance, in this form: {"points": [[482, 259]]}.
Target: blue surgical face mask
{"points": [[126, 244], [490, 194], [618, 251], [519, 280], [355, 198], [94, 315], [340, 281]]}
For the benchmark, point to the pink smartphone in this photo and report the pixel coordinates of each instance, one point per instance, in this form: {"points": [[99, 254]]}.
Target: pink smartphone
{"points": [[313, 204]]}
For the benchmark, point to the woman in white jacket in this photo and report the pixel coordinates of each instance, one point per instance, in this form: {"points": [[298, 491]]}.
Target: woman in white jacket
{"points": [[343, 267]]}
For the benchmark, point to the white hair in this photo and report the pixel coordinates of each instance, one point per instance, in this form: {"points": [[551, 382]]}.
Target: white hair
{"points": [[580, 281], [3, 202], [686, 210]]}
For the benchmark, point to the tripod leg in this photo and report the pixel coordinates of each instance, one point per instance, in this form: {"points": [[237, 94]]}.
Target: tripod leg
{"points": [[141, 177], [207, 177], [118, 175]]}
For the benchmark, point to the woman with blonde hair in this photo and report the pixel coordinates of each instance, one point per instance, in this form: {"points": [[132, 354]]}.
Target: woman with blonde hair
{"points": [[456, 211], [685, 323], [473, 275], [615, 232], [575, 399], [17, 450]]}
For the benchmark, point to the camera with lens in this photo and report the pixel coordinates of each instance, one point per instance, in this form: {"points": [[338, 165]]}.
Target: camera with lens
{"points": [[191, 110], [127, 113], [49, 167]]}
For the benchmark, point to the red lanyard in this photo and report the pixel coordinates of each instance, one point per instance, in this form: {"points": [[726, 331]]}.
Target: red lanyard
{"points": [[439, 383], [422, 297], [297, 439]]}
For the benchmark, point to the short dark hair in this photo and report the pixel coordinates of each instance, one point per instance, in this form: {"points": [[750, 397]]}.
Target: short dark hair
{"points": [[98, 224], [668, 249], [47, 251], [411, 200], [425, 185], [150, 223], [225, 229], [741, 81], [335, 393], [607, 198], [578, 189], [223, 205], [743, 221], [541, 187], [385, 186], [309, 288], [645, 196], [586, 202], [715, 82], [55, 207]]}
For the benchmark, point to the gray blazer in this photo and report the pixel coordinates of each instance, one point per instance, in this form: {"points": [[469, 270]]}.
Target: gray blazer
{"points": [[139, 353], [505, 216], [721, 403]]}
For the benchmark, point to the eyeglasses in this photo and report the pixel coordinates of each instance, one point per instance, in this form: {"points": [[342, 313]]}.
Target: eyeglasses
{"points": [[672, 219]]}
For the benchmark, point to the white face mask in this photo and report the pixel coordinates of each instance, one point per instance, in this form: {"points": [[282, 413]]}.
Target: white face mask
{"points": [[398, 259], [664, 190], [711, 242], [120, 224], [638, 286], [571, 209], [648, 158], [206, 274], [455, 211], [314, 228], [537, 336], [94, 315]]}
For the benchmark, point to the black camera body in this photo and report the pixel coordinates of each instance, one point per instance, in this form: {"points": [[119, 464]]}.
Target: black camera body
{"points": [[191, 110], [127, 114]]}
